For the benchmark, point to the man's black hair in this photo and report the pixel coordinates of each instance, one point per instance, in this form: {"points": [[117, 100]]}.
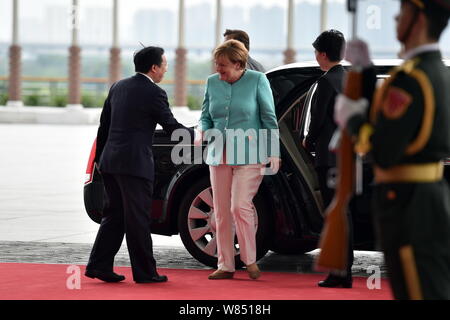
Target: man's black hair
{"points": [[332, 42], [437, 20], [145, 58], [239, 35]]}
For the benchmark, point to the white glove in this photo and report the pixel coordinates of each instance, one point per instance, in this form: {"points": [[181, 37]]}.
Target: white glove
{"points": [[357, 53], [345, 108], [198, 138]]}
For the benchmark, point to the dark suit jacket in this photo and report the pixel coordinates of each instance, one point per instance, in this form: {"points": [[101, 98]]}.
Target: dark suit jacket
{"points": [[252, 64], [322, 125], [125, 137]]}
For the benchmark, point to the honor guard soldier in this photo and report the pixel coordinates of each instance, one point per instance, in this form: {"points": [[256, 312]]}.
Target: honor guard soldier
{"points": [[406, 129]]}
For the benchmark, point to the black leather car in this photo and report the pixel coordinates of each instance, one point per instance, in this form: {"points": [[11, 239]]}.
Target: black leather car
{"points": [[289, 204]]}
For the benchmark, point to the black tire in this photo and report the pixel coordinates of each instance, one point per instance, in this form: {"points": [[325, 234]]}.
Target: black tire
{"points": [[199, 248]]}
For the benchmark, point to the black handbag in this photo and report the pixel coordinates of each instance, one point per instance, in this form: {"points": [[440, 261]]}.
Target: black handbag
{"points": [[94, 196]]}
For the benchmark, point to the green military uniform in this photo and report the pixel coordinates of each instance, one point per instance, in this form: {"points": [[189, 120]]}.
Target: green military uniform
{"points": [[410, 121]]}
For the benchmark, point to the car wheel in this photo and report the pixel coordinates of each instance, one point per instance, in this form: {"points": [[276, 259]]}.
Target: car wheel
{"points": [[197, 225]]}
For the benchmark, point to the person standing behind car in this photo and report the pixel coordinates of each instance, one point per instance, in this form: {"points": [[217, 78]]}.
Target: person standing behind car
{"points": [[243, 37], [328, 51], [124, 152], [237, 99]]}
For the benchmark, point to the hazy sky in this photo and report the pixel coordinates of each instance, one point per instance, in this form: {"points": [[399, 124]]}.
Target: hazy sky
{"points": [[36, 8]]}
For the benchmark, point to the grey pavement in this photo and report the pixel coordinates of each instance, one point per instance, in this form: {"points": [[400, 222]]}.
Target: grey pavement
{"points": [[42, 216], [170, 257]]}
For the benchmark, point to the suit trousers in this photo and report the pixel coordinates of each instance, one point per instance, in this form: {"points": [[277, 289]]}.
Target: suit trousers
{"points": [[127, 212], [234, 188]]}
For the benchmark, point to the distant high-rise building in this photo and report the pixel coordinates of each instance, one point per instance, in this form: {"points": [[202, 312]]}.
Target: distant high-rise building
{"points": [[32, 30], [307, 28], [155, 27], [376, 25], [338, 18], [96, 25], [57, 24], [233, 18], [267, 27], [200, 26]]}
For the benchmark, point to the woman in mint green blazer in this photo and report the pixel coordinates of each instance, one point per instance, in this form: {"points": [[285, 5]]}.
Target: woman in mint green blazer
{"points": [[238, 120]]}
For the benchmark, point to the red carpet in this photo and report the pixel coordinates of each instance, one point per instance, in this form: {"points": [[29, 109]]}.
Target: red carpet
{"points": [[23, 281]]}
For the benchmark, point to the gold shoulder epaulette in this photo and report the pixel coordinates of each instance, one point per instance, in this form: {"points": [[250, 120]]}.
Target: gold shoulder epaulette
{"points": [[409, 65], [429, 106], [406, 67]]}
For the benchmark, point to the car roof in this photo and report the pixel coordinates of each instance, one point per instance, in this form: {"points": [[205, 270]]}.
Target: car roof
{"points": [[313, 64], [287, 79]]}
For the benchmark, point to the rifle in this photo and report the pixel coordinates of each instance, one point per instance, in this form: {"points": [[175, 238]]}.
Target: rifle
{"points": [[334, 238]]}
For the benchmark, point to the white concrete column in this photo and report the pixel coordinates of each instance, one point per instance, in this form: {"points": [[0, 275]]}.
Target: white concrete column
{"points": [[218, 35], [289, 54], [290, 25], [15, 23], [74, 99], [75, 22], [114, 60], [115, 30], [15, 62], [181, 61], [323, 15], [218, 22], [181, 24]]}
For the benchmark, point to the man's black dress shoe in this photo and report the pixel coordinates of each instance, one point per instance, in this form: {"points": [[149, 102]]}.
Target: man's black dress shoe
{"points": [[108, 276], [158, 278], [333, 281]]}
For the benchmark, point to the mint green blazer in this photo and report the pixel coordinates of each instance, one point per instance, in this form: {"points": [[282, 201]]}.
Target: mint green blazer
{"points": [[241, 117]]}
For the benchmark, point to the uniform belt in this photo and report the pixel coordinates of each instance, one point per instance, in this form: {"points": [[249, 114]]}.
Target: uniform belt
{"points": [[424, 172]]}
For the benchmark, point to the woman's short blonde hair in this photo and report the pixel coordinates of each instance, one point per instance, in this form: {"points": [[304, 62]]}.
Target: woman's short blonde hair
{"points": [[234, 50]]}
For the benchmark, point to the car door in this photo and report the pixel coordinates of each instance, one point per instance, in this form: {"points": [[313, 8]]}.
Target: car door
{"points": [[297, 175]]}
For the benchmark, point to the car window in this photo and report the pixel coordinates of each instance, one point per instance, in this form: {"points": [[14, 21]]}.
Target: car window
{"points": [[283, 82], [307, 111], [293, 115]]}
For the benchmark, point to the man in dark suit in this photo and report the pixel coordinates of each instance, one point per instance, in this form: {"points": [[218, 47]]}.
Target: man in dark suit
{"points": [[130, 114], [328, 50], [243, 37]]}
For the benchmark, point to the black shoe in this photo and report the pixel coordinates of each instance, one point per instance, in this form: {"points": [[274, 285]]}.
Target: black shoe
{"points": [[334, 282], [157, 278], [108, 276]]}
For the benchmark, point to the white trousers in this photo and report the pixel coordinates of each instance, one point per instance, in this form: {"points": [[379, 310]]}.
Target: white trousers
{"points": [[234, 188]]}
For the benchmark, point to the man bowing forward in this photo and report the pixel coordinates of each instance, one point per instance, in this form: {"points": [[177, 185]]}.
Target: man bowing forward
{"points": [[130, 114]]}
